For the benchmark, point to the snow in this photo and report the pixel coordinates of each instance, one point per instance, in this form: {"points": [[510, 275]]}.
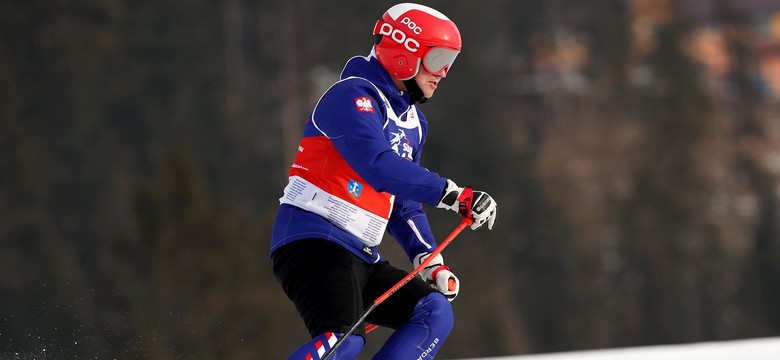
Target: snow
{"points": [[749, 349]]}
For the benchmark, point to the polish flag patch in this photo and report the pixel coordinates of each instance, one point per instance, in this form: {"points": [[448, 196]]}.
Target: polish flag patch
{"points": [[364, 104]]}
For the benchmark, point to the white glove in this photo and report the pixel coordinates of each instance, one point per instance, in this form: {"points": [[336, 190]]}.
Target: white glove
{"points": [[438, 275], [483, 207]]}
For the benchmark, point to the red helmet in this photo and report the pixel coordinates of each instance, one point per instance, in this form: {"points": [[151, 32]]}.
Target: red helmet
{"points": [[413, 34]]}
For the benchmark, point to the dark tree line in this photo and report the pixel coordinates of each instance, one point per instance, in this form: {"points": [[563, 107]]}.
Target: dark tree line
{"points": [[144, 145]]}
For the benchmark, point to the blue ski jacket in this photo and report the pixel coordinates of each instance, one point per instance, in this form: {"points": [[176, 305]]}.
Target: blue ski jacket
{"points": [[357, 173]]}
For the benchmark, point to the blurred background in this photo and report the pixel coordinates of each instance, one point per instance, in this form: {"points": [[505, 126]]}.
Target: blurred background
{"points": [[633, 147]]}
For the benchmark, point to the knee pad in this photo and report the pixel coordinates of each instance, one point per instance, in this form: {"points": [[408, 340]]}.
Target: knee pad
{"points": [[435, 310], [424, 334], [320, 344]]}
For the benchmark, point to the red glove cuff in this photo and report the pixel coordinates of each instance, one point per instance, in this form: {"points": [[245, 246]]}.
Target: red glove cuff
{"points": [[440, 268]]}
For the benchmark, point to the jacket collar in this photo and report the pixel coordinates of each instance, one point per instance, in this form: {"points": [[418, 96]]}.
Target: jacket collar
{"points": [[369, 68]]}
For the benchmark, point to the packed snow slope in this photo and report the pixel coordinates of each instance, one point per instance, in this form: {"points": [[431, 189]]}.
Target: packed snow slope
{"points": [[749, 349]]}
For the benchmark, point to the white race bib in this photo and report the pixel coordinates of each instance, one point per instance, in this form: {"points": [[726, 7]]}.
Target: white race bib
{"points": [[368, 227]]}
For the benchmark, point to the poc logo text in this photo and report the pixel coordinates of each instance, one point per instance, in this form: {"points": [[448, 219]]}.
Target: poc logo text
{"points": [[408, 22], [400, 37]]}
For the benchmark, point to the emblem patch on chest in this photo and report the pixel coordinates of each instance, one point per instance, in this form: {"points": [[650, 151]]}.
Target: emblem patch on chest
{"points": [[400, 144]]}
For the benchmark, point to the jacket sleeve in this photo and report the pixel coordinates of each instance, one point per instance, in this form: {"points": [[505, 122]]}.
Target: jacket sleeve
{"points": [[408, 223], [410, 228], [357, 135]]}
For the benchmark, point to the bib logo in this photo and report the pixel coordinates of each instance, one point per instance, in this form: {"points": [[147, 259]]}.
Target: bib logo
{"points": [[400, 37], [400, 144], [364, 105], [354, 188]]}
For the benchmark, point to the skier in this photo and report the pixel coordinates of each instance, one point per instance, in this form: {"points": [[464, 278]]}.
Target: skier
{"points": [[348, 185]]}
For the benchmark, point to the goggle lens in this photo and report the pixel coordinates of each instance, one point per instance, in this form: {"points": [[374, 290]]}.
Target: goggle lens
{"points": [[438, 58]]}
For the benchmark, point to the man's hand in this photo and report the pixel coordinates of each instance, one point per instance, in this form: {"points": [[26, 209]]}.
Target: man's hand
{"points": [[483, 207], [439, 275]]}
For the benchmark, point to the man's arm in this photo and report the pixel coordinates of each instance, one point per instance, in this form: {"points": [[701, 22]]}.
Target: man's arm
{"points": [[410, 228]]}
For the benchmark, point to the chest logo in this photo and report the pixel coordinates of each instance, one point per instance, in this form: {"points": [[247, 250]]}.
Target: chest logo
{"points": [[400, 144], [364, 104]]}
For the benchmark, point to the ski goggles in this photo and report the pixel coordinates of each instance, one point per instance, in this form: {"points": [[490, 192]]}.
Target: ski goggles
{"points": [[438, 58]]}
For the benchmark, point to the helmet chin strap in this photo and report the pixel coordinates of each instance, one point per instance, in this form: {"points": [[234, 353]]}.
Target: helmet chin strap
{"points": [[415, 93]]}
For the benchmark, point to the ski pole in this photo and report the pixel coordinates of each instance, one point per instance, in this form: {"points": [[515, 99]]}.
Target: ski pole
{"points": [[466, 222]]}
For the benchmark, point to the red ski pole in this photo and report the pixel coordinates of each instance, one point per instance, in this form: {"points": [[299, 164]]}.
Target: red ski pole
{"points": [[463, 224]]}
